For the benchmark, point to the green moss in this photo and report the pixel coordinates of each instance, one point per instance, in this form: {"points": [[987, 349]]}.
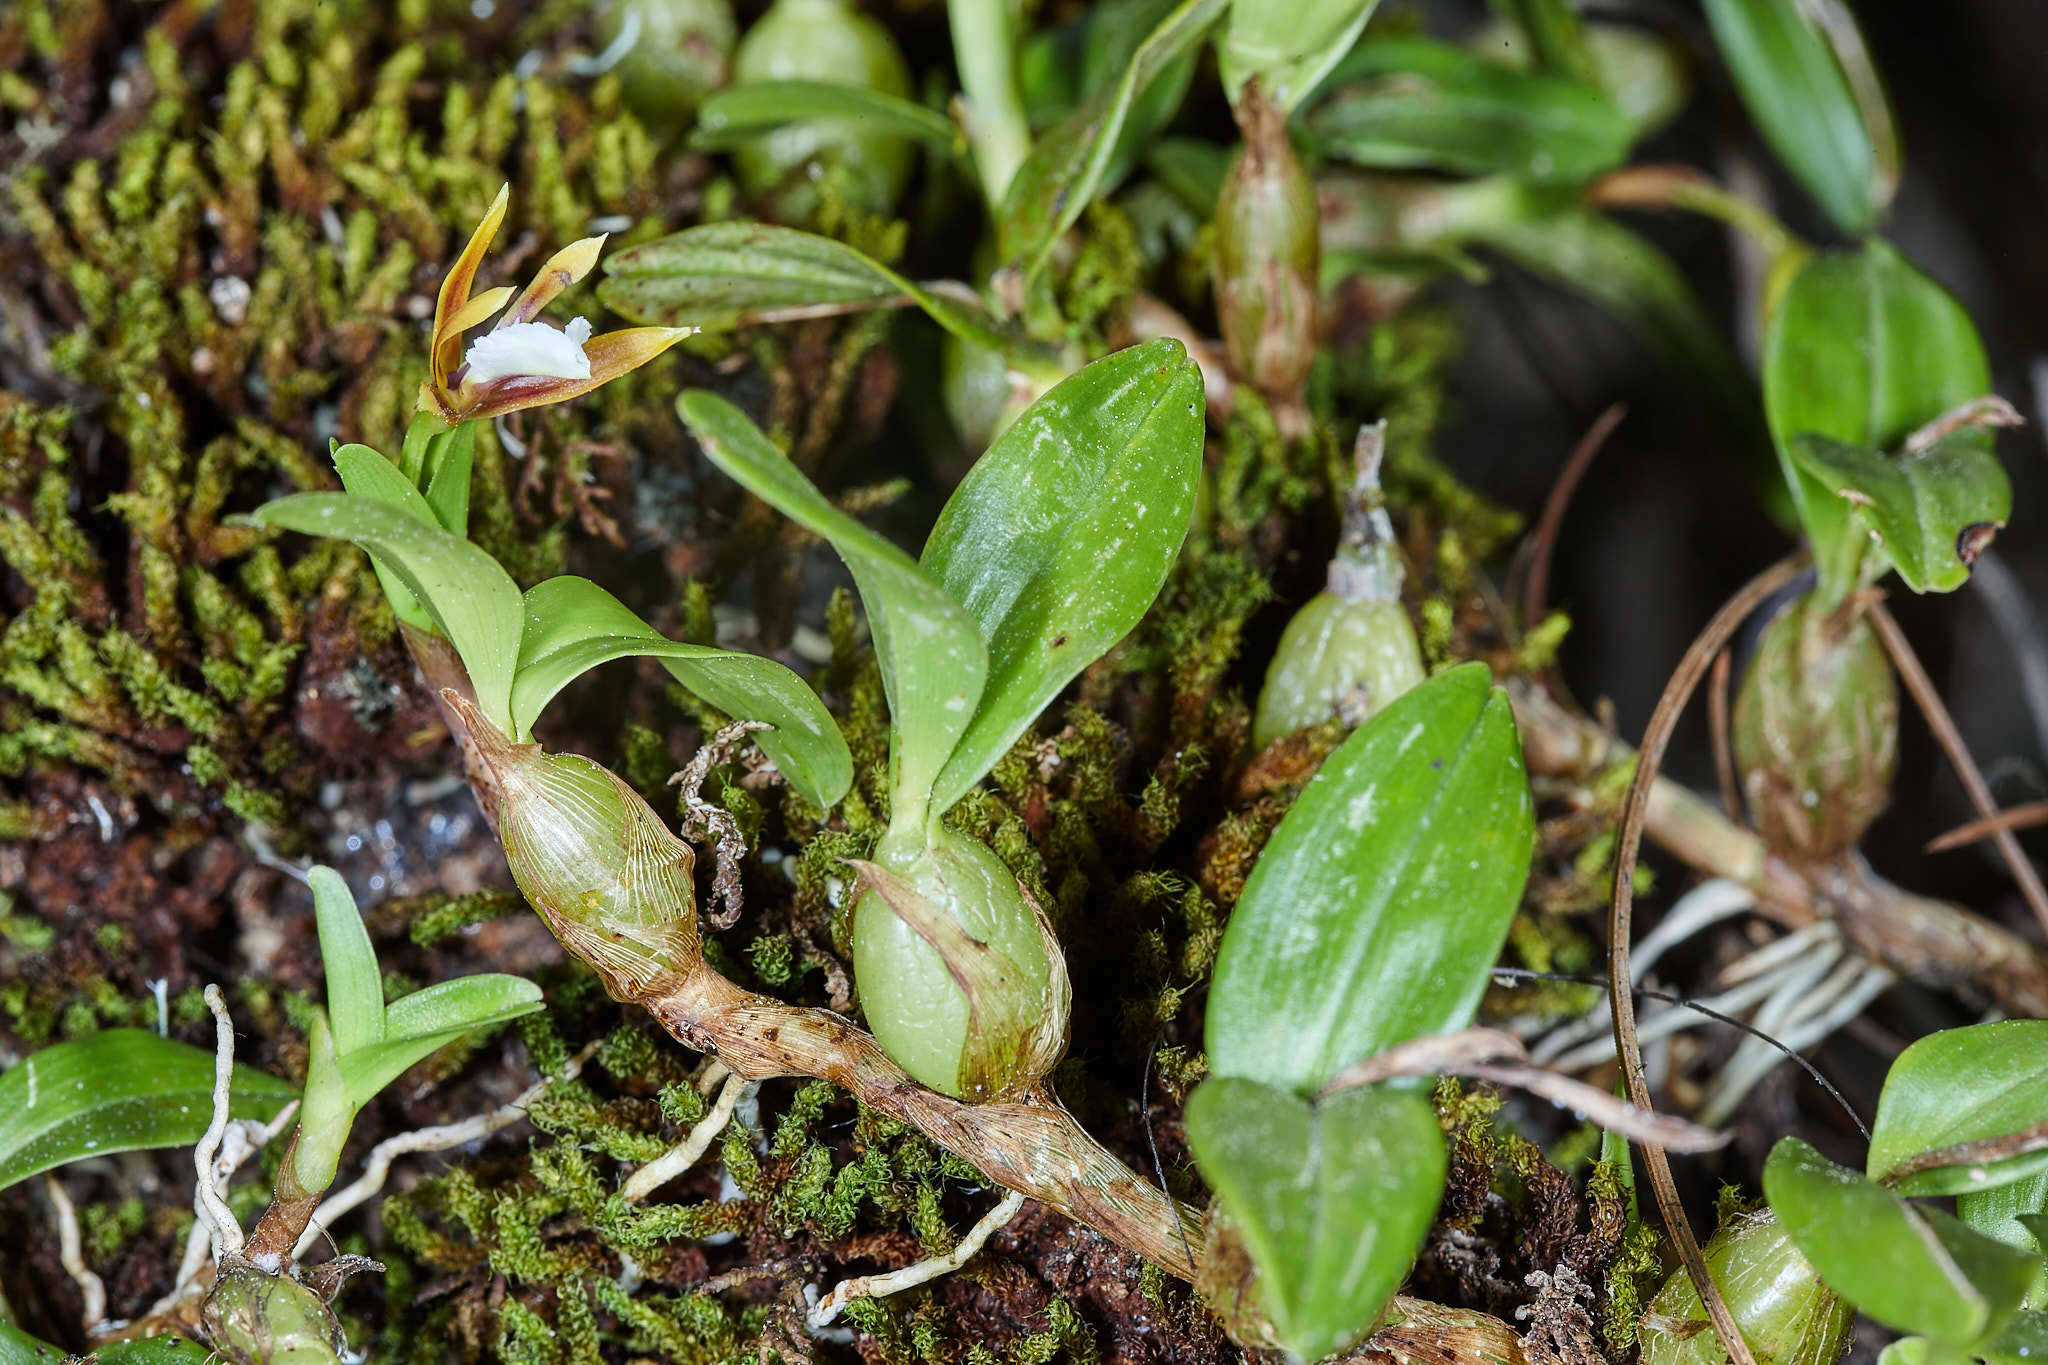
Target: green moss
{"points": [[243, 275]]}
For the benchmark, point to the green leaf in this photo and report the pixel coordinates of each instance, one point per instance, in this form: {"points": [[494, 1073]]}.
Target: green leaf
{"points": [[2008, 1212], [1928, 511], [368, 474], [2022, 1341], [1332, 1200], [1063, 533], [118, 1090], [355, 986], [1913, 1269], [1062, 68], [1289, 48], [19, 1348], [739, 113], [1416, 102], [1962, 1085], [1803, 104], [573, 625], [417, 1024], [933, 661], [1069, 166], [450, 454], [1557, 37], [471, 599], [1379, 906], [720, 276], [1863, 349]]}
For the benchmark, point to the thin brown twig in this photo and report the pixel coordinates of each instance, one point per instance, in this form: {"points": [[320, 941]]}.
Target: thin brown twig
{"points": [[1536, 587], [1951, 739], [1684, 681], [2024, 816], [1717, 723]]}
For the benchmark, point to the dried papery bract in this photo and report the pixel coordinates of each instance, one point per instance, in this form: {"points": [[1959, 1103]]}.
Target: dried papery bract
{"points": [[594, 859], [1817, 729], [1351, 649]]}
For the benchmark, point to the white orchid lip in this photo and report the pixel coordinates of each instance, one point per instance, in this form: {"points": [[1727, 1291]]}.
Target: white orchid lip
{"points": [[529, 350]]}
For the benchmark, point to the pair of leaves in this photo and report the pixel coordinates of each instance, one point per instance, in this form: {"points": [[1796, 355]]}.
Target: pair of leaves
{"points": [[1804, 75], [1070, 164], [1416, 102], [1861, 351], [1913, 1268], [367, 1043], [118, 1090], [1963, 1112], [1048, 553], [520, 650], [1374, 916]]}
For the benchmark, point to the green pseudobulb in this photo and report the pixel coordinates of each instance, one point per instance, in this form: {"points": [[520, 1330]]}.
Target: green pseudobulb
{"points": [[1786, 1314], [1816, 730], [831, 41], [980, 1015]]}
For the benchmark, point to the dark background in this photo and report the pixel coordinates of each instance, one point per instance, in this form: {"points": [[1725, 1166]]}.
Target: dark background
{"points": [[1663, 528]]}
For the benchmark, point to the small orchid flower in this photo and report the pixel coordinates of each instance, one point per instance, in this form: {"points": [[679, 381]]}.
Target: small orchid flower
{"points": [[521, 362]]}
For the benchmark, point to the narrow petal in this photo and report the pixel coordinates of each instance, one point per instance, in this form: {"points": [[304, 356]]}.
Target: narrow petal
{"points": [[478, 309], [611, 355], [563, 269], [447, 347]]}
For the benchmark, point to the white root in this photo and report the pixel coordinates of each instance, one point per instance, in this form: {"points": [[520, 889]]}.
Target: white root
{"points": [[243, 1139], [90, 1287], [213, 1210], [1799, 988], [686, 1153], [826, 1309], [439, 1138]]}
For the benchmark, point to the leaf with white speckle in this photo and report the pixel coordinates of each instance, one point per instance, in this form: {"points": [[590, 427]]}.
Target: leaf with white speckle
{"points": [[1063, 533], [1379, 906], [117, 1090]]}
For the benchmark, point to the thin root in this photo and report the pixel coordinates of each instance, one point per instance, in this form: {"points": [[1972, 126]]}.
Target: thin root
{"points": [[1628, 843], [685, 1154], [439, 1138], [91, 1289], [2024, 816], [213, 1210], [911, 1276]]}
